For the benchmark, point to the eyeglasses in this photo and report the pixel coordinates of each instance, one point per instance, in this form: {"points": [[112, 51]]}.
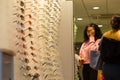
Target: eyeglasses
{"points": [[22, 45], [25, 67], [22, 10], [19, 15], [44, 37], [29, 35], [23, 31], [23, 37], [27, 74], [22, 52], [22, 24], [21, 3], [23, 16], [19, 23], [26, 60], [47, 64]]}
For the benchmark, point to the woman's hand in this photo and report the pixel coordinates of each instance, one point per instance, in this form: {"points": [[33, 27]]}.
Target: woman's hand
{"points": [[81, 61]]}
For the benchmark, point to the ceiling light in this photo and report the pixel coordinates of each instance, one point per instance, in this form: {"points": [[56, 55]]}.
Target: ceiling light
{"points": [[96, 7], [100, 25], [79, 19]]}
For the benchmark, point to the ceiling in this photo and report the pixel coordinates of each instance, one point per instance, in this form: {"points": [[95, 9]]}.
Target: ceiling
{"points": [[83, 9]]}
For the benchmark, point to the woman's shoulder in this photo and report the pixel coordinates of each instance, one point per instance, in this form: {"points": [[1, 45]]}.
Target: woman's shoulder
{"points": [[112, 34]]}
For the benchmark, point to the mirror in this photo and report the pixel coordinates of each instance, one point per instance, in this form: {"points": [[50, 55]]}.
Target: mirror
{"points": [[87, 11]]}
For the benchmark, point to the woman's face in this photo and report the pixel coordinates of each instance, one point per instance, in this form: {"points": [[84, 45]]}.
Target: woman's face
{"points": [[90, 31]]}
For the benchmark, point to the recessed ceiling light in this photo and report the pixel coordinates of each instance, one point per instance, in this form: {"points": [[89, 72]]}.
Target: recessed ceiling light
{"points": [[100, 25], [96, 7], [79, 19]]}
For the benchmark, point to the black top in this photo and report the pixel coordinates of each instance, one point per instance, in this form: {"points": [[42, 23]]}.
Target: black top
{"points": [[110, 50]]}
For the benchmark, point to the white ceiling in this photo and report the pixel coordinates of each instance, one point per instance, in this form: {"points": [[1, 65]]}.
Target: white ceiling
{"points": [[83, 8]]}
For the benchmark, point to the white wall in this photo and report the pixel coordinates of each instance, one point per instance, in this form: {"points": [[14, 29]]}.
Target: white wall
{"points": [[66, 40]]}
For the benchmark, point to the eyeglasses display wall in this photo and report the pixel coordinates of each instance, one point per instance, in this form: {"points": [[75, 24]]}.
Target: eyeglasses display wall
{"points": [[37, 23]]}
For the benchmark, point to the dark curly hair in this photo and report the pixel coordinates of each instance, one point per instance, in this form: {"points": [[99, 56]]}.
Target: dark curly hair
{"points": [[98, 32], [115, 22]]}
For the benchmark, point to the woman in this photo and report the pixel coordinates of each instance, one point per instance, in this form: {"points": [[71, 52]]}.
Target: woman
{"points": [[110, 50], [92, 35]]}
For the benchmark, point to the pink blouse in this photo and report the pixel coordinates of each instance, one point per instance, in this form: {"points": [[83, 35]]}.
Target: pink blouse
{"points": [[86, 48]]}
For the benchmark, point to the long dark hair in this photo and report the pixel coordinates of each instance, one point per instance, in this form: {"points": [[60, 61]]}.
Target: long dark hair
{"points": [[98, 32]]}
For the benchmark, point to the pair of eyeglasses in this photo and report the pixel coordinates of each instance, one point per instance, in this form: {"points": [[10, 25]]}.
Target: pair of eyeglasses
{"points": [[23, 30], [22, 24], [21, 45], [25, 67], [20, 15], [29, 35], [21, 3], [26, 60], [22, 52], [48, 69], [47, 64], [24, 45], [19, 23], [57, 6], [22, 10], [23, 16], [27, 74], [23, 38], [44, 37], [52, 46]]}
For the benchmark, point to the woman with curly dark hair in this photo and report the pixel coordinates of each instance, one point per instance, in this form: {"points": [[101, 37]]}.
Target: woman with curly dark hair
{"points": [[92, 35]]}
